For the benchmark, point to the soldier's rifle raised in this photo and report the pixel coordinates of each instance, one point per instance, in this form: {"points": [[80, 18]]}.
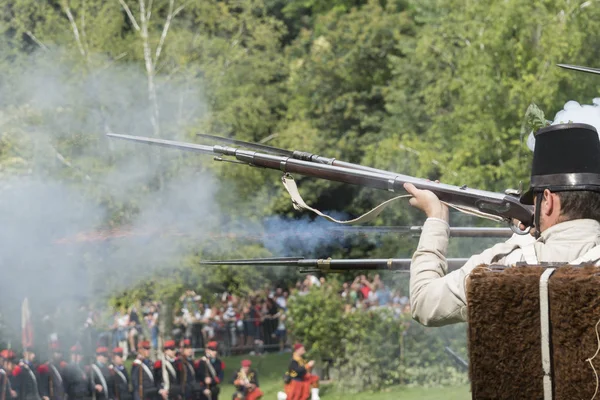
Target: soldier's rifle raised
{"points": [[308, 265], [499, 206]]}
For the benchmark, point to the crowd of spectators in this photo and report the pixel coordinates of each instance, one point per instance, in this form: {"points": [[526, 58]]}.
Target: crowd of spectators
{"points": [[254, 323]]}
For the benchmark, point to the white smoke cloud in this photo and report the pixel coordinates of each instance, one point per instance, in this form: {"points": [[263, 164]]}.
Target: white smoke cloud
{"points": [[49, 192], [575, 113]]}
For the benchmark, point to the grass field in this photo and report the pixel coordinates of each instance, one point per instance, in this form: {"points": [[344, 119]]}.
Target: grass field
{"points": [[271, 368]]}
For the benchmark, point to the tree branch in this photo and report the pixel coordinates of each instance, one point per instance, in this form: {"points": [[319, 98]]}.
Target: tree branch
{"points": [[67, 11], [165, 30], [130, 15], [32, 37]]}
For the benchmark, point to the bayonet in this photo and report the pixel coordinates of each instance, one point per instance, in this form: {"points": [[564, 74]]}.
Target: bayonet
{"points": [[505, 207], [581, 69], [308, 265]]}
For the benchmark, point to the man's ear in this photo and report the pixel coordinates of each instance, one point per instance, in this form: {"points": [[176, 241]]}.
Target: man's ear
{"points": [[549, 202]]}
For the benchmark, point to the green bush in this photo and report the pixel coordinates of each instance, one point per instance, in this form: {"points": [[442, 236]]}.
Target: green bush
{"points": [[374, 349], [315, 321]]}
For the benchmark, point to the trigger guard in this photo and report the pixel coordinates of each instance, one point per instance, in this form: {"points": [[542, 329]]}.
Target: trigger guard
{"points": [[518, 230]]}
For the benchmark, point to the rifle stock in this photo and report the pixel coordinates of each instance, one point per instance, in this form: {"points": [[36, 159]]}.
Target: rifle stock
{"points": [[505, 207]]}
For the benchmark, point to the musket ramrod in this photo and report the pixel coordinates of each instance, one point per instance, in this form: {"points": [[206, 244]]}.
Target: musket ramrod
{"points": [[504, 207]]}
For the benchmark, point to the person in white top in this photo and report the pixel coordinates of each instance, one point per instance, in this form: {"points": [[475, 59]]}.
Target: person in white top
{"points": [[565, 188]]}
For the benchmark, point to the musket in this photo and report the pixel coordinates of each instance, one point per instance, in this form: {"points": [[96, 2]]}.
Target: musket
{"points": [[308, 265], [462, 231], [505, 207], [581, 69], [462, 364]]}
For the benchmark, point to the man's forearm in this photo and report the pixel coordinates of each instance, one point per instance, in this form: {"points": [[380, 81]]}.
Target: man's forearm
{"points": [[436, 299]]}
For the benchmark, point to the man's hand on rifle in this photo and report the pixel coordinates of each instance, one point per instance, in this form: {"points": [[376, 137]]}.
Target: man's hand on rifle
{"points": [[99, 388], [208, 380], [164, 393], [428, 202]]}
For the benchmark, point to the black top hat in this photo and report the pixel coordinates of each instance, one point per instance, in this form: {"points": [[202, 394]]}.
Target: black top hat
{"points": [[566, 157]]}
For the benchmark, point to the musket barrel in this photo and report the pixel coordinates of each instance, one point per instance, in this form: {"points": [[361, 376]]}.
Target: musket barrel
{"points": [[337, 265], [498, 204], [475, 232]]}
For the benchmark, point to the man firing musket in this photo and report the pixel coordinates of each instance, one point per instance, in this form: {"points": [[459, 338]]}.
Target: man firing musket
{"points": [[565, 192]]}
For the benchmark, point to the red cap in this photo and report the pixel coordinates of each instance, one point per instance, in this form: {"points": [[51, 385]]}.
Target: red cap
{"points": [[76, 349], [212, 345], [144, 345], [298, 346], [102, 351], [170, 345], [117, 351], [187, 343], [7, 354], [246, 363]]}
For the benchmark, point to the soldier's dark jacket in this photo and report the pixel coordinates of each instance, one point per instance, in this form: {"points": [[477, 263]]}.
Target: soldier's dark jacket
{"points": [[120, 383], [5, 385], [51, 382], [204, 371], [25, 381], [142, 380], [187, 378], [171, 366], [77, 382], [297, 368], [102, 375]]}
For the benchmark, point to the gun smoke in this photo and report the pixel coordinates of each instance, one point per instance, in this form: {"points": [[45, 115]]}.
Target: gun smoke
{"points": [[573, 112], [50, 191]]}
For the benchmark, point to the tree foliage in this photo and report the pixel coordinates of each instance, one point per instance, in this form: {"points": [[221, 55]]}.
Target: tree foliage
{"points": [[434, 88]]}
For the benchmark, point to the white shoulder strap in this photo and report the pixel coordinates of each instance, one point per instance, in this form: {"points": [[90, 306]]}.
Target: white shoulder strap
{"points": [[545, 333]]}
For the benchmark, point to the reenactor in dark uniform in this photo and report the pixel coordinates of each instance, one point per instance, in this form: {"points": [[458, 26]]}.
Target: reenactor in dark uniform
{"points": [[7, 364], [51, 375], [142, 376], [166, 377], [121, 379], [26, 378], [210, 372], [302, 383], [187, 372], [76, 377], [101, 376], [245, 381]]}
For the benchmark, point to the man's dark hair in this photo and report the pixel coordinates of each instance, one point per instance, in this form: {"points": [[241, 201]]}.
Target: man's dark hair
{"points": [[581, 204]]}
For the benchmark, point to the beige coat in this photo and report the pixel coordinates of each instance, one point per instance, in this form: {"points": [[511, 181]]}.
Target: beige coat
{"points": [[438, 298]]}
